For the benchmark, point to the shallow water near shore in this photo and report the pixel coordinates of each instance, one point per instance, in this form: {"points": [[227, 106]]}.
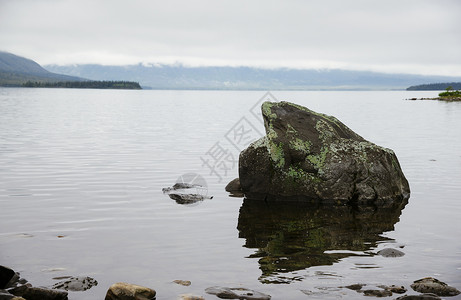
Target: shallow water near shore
{"points": [[82, 172]]}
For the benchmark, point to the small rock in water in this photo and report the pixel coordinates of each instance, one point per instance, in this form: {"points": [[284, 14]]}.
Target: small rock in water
{"points": [[182, 282], [32, 293], [189, 188], [190, 297], [435, 286], [54, 270], [391, 252], [234, 188], [377, 293], [236, 293], [355, 287], [419, 297], [395, 289], [127, 291], [187, 198], [76, 284]]}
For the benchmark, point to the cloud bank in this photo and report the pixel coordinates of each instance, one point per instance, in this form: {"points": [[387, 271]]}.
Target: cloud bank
{"points": [[412, 36]]}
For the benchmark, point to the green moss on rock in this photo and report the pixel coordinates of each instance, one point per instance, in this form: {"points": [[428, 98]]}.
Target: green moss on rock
{"points": [[309, 154]]}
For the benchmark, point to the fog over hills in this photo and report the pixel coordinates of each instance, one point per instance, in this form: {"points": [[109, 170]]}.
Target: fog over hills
{"points": [[16, 70], [183, 77]]}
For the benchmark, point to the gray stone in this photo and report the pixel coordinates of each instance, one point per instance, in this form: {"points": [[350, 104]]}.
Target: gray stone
{"points": [[395, 289], [188, 193], [190, 297], [236, 293], [377, 293], [82, 283], [434, 286], [390, 252], [127, 291], [355, 287], [36, 293], [187, 198], [182, 282], [310, 156], [419, 297]]}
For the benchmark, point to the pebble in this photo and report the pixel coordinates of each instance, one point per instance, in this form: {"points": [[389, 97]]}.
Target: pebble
{"points": [[182, 282]]}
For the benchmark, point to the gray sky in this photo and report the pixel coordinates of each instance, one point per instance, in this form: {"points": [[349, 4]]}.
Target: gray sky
{"points": [[407, 36]]}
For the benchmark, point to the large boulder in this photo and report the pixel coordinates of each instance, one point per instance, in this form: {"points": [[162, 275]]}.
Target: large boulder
{"points": [[310, 156]]}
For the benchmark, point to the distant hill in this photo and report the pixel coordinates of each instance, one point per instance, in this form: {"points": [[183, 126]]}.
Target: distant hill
{"points": [[16, 70], [435, 86], [241, 78]]}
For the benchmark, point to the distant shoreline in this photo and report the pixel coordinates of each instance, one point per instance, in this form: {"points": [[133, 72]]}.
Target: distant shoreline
{"points": [[123, 85], [447, 99]]}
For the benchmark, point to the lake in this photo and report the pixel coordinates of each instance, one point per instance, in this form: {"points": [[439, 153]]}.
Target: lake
{"points": [[82, 173]]}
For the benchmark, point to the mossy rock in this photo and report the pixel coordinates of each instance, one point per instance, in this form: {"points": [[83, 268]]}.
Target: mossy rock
{"points": [[310, 156]]}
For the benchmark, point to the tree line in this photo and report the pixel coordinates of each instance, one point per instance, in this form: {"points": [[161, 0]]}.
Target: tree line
{"points": [[435, 86], [126, 85]]}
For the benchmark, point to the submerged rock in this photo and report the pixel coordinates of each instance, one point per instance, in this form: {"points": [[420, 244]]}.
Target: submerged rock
{"points": [[236, 293], [189, 188], [234, 188], [311, 156], [126, 291], [190, 297], [390, 252], [419, 297], [396, 289], [182, 282], [188, 198], [376, 291], [435, 286]]}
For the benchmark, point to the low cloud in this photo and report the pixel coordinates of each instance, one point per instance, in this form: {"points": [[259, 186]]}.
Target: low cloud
{"points": [[391, 36]]}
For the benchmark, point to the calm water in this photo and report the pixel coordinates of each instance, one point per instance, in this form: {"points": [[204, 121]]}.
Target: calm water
{"points": [[82, 172]]}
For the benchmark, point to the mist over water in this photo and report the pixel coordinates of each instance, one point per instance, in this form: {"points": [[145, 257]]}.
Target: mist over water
{"points": [[82, 172]]}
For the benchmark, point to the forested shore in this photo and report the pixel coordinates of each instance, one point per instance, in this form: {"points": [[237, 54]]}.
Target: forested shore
{"points": [[126, 85]]}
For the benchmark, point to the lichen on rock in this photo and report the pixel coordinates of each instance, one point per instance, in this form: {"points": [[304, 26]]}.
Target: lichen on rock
{"points": [[309, 155]]}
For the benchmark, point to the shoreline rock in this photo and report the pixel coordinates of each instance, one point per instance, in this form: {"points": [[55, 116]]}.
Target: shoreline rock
{"points": [[128, 291], [311, 157], [12, 286], [434, 286]]}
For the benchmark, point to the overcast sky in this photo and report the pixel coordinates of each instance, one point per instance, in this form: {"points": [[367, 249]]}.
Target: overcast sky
{"points": [[407, 36]]}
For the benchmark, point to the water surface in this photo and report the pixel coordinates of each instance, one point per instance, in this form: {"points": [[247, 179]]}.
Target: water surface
{"points": [[82, 172]]}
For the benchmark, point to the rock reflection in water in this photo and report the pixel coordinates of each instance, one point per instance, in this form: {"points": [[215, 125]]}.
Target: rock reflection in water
{"points": [[295, 236]]}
